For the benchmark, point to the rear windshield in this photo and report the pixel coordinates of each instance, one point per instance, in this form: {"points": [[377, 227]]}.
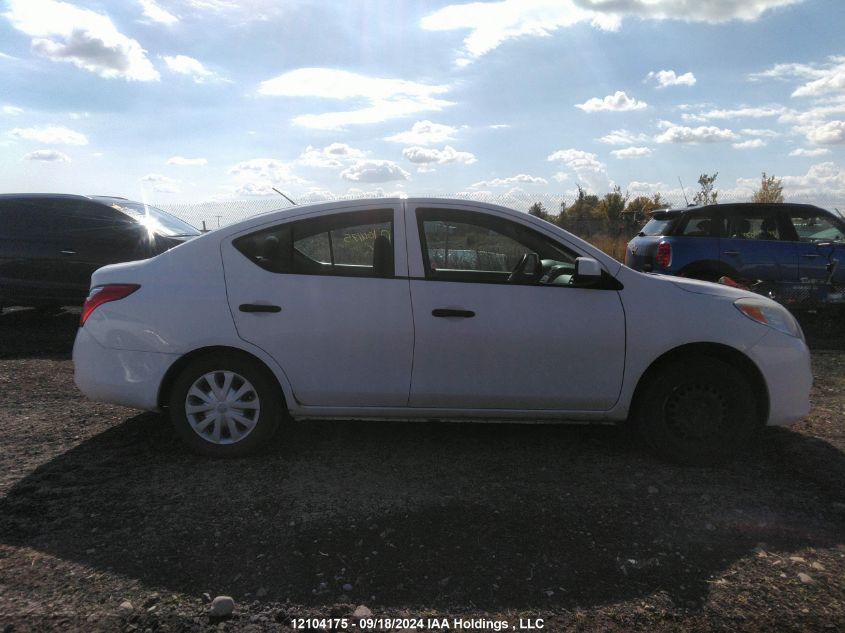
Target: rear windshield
{"points": [[659, 224], [154, 219]]}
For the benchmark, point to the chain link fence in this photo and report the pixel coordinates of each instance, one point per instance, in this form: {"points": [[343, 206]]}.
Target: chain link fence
{"points": [[212, 215]]}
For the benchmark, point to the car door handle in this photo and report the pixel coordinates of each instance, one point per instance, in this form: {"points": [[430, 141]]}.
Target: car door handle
{"points": [[68, 252], [810, 255], [258, 307], [730, 253], [449, 312]]}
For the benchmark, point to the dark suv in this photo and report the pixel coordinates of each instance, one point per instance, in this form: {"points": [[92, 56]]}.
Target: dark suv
{"points": [[51, 243], [749, 242]]}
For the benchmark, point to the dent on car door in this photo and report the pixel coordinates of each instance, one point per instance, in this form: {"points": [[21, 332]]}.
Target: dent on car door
{"points": [[485, 342], [327, 297]]}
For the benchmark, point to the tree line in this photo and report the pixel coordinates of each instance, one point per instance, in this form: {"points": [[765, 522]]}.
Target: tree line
{"points": [[616, 214]]}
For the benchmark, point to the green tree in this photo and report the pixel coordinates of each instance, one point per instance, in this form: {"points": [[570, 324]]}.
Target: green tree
{"points": [[610, 210], [638, 209], [538, 211], [771, 190], [580, 215], [707, 194]]}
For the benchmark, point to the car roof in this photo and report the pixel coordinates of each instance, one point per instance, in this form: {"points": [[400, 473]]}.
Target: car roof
{"points": [[749, 205]]}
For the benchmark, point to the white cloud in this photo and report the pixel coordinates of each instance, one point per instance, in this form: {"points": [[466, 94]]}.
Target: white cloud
{"points": [[623, 137], [737, 113], [155, 13], [187, 162], [387, 98], [63, 32], [830, 79], [586, 166], [499, 126], [750, 144], [818, 151], [264, 172], [825, 78], [491, 24], [632, 152], [638, 188], [332, 156], [48, 155], [525, 179], [50, 134], [617, 102], [428, 156], [9, 110], [374, 171], [161, 184], [830, 133], [822, 177], [785, 71], [665, 78], [193, 68], [425, 133], [761, 132], [701, 134]]}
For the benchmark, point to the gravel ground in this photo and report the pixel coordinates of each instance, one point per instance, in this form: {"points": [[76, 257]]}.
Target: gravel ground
{"points": [[106, 523]]}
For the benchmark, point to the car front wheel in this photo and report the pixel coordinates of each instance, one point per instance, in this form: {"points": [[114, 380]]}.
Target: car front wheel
{"points": [[225, 405], [698, 411]]}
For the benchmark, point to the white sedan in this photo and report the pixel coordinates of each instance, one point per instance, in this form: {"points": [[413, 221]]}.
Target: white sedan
{"points": [[432, 309]]}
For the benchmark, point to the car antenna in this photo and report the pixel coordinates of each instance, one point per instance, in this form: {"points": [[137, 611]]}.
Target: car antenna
{"points": [[284, 196], [683, 191]]}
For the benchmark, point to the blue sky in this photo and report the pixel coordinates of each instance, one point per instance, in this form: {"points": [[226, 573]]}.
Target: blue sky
{"points": [[198, 100]]}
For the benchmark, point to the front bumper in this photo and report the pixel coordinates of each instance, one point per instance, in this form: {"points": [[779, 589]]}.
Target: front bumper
{"points": [[124, 377], [785, 364]]}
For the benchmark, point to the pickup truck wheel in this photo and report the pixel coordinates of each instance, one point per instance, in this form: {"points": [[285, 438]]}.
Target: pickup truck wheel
{"points": [[225, 406], [697, 411]]}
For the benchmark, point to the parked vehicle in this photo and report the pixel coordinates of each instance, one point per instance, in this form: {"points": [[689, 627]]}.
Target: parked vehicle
{"points": [[429, 308], [51, 243], [790, 250]]}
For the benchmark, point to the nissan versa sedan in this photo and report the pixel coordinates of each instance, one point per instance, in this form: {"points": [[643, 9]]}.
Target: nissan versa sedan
{"points": [[413, 309]]}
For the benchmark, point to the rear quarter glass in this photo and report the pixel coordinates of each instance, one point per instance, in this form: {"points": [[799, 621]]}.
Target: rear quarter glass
{"points": [[659, 224]]}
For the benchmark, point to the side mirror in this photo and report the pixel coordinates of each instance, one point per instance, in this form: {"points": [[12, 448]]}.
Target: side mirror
{"points": [[587, 269]]}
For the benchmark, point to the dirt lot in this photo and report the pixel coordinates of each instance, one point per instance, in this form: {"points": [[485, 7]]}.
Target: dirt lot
{"points": [[577, 526]]}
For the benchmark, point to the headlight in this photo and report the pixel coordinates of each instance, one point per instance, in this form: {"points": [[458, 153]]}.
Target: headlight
{"points": [[771, 314]]}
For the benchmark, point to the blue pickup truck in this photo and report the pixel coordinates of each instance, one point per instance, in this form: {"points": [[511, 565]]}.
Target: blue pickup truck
{"points": [[791, 246]]}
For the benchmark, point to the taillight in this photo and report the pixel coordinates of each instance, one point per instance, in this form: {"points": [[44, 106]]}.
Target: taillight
{"points": [[664, 254], [103, 294]]}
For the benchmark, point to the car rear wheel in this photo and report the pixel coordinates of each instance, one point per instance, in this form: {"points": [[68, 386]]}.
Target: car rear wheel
{"points": [[225, 405], [698, 411]]}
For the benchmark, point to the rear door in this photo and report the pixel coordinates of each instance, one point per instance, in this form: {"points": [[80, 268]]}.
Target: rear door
{"points": [[483, 342], [327, 296], [756, 244], [36, 258]]}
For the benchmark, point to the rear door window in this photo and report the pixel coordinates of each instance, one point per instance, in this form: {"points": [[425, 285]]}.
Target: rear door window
{"points": [[358, 243]]}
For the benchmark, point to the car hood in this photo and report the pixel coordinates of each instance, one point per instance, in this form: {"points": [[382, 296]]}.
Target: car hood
{"points": [[704, 287]]}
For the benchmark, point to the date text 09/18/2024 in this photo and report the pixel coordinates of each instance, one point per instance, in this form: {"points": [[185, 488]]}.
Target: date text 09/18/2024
{"points": [[434, 624]]}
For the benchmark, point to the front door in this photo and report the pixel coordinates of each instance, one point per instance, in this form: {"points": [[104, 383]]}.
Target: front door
{"points": [[487, 341]]}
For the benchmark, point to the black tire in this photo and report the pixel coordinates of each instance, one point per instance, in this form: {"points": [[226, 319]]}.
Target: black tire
{"points": [[697, 411], [264, 392]]}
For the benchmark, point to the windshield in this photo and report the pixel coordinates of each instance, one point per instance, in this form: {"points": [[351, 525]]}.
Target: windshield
{"points": [[659, 224], [155, 220]]}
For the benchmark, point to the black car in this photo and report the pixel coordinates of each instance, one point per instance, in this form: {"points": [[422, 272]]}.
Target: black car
{"points": [[51, 243]]}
